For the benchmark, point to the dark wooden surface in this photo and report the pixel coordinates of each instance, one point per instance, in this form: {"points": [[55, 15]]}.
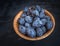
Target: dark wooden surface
{"points": [[8, 9]]}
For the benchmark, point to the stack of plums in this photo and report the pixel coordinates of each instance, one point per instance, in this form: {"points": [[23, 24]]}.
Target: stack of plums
{"points": [[34, 22]]}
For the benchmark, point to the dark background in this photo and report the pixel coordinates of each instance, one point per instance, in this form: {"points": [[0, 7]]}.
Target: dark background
{"points": [[9, 8]]}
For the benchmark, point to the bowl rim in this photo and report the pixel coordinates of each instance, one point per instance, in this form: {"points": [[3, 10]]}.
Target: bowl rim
{"points": [[15, 26]]}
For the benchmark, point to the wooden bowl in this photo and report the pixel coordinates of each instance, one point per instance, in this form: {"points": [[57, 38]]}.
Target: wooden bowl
{"points": [[15, 25]]}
